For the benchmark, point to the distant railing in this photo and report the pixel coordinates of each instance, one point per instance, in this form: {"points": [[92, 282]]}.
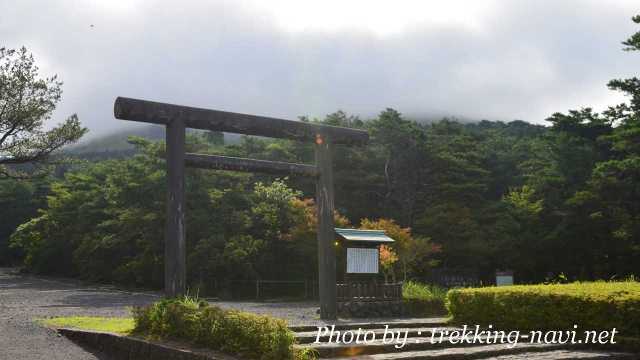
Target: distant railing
{"points": [[260, 290], [449, 278], [368, 291]]}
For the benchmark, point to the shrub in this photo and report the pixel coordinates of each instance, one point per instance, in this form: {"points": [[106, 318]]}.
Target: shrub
{"points": [[236, 332], [416, 290], [590, 305], [423, 300]]}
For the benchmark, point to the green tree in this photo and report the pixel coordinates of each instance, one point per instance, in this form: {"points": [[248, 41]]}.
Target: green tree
{"points": [[19, 202], [26, 102], [400, 142], [611, 199]]}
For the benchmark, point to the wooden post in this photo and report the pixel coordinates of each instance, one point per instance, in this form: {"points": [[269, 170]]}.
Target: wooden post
{"points": [[174, 249], [326, 235]]}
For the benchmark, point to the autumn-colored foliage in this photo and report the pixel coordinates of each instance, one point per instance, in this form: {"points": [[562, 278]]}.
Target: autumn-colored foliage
{"points": [[307, 224], [406, 249], [388, 258]]}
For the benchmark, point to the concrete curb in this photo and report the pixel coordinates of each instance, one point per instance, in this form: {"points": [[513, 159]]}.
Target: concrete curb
{"points": [[125, 347]]}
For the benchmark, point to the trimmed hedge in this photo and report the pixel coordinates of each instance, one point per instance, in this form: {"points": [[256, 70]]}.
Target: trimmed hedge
{"points": [[590, 305], [234, 332]]}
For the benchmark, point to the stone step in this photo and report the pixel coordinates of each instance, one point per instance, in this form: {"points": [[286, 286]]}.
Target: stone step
{"points": [[378, 346], [568, 355], [307, 337], [448, 353], [499, 352], [373, 324]]}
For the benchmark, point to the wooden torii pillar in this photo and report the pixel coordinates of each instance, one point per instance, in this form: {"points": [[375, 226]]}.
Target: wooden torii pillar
{"points": [[177, 118]]}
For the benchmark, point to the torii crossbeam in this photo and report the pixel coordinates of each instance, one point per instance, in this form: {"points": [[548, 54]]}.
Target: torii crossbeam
{"points": [[177, 118]]}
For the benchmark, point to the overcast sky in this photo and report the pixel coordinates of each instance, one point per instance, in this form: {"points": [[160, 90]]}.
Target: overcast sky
{"points": [[497, 60]]}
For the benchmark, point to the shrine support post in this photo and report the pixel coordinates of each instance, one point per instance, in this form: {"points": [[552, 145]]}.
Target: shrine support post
{"points": [[326, 235], [174, 248]]}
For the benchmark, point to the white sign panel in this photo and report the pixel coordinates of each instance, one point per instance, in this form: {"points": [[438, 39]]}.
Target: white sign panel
{"points": [[504, 280], [362, 260]]}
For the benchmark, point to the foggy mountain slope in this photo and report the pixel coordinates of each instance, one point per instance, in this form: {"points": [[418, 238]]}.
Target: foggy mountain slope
{"points": [[115, 144], [117, 141]]}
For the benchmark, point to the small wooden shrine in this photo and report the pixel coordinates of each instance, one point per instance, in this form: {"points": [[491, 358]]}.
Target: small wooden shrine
{"points": [[360, 251]]}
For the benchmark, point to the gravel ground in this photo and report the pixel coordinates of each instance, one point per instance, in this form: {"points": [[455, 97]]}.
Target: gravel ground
{"points": [[24, 299], [294, 312]]}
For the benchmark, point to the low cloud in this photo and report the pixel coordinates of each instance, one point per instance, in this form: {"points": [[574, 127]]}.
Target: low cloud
{"points": [[519, 60]]}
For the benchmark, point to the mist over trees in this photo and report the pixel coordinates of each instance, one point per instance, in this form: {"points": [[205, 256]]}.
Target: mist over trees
{"points": [[540, 200]]}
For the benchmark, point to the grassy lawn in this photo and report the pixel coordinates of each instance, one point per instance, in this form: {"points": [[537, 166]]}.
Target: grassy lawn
{"points": [[122, 326]]}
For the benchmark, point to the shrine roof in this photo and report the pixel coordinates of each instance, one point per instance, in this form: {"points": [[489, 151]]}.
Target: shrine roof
{"points": [[370, 236]]}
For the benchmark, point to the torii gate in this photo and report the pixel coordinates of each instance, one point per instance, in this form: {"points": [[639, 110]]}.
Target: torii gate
{"points": [[177, 118]]}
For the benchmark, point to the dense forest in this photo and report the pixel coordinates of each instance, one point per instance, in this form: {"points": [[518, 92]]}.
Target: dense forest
{"points": [[540, 200]]}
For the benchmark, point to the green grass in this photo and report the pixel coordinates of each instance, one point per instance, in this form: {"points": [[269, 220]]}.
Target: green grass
{"points": [[121, 326], [424, 300], [417, 291]]}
